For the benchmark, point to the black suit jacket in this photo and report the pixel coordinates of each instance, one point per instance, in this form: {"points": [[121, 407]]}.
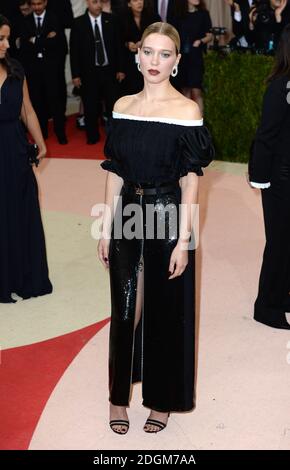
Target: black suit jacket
{"points": [[270, 149], [63, 10], [241, 28], [82, 45], [286, 14], [49, 48], [170, 11], [9, 8]]}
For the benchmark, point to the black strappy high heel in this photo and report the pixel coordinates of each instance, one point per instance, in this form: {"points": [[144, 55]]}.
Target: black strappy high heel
{"points": [[119, 422], [154, 422]]}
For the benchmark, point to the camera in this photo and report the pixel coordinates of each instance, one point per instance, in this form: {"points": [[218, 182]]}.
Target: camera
{"points": [[264, 11], [216, 32]]}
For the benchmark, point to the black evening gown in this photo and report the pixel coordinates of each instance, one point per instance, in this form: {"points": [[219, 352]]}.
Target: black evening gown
{"points": [[160, 353], [23, 264], [193, 26], [133, 82]]}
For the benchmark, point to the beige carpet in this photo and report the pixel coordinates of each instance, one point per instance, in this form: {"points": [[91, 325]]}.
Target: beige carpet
{"points": [[243, 378]]}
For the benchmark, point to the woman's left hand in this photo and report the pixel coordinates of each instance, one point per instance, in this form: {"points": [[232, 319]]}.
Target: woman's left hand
{"points": [[178, 260]]}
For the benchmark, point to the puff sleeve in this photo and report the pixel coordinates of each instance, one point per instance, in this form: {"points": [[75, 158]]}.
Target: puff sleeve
{"points": [[111, 163], [196, 150]]}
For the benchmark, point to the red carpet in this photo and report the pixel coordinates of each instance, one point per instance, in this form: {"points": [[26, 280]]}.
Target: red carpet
{"points": [[77, 146], [28, 375]]}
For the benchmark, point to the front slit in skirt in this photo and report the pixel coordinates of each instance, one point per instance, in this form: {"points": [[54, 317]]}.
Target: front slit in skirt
{"points": [[161, 351]]}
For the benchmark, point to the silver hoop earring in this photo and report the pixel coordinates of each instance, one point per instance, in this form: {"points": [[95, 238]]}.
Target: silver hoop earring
{"points": [[138, 66], [174, 71]]}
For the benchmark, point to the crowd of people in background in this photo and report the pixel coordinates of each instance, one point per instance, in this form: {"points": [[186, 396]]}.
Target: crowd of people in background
{"points": [[103, 45], [258, 24]]}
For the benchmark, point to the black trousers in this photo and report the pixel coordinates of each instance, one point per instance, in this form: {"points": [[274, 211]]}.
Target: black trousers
{"points": [[100, 84], [274, 284], [44, 90], [160, 353]]}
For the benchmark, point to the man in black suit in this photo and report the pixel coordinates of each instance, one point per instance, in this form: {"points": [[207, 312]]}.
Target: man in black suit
{"points": [[40, 49], [96, 53], [165, 9], [63, 10], [23, 9]]}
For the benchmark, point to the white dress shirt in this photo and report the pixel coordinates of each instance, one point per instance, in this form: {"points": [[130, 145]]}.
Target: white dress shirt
{"points": [[99, 21], [42, 16], [238, 14], [238, 17]]}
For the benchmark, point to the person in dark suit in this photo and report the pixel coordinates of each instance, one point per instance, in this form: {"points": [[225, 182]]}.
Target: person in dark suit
{"points": [[9, 8], [269, 169], [41, 45], [96, 54], [135, 20], [23, 9], [166, 9], [240, 10], [63, 10]]}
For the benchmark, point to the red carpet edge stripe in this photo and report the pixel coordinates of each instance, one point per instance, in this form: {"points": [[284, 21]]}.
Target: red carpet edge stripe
{"points": [[77, 143], [28, 375]]}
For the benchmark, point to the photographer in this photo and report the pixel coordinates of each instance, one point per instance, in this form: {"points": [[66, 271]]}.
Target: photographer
{"points": [[240, 10], [266, 23]]}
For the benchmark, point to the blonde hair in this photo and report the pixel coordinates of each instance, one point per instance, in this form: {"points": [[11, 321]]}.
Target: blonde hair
{"points": [[163, 28]]}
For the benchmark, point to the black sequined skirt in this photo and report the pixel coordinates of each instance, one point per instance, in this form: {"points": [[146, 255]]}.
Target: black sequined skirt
{"points": [[160, 353]]}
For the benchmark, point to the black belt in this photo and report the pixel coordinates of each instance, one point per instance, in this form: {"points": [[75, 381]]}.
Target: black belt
{"points": [[148, 190]]}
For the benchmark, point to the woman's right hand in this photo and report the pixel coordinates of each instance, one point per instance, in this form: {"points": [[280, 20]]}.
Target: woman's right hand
{"points": [[103, 251]]}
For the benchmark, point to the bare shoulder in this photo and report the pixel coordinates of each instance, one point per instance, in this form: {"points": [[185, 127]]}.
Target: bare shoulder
{"points": [[190, 109], [123, 104]]}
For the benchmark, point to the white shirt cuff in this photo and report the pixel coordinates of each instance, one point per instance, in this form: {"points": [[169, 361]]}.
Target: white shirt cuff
{"points": [[260, 185], [238, 16]]}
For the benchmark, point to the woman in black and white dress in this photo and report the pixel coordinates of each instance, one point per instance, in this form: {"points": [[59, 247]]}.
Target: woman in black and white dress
{"points": [[155, 150]]}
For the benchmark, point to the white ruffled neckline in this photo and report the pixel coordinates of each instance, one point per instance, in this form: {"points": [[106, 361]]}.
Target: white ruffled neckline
{"points": [[181, 122]]}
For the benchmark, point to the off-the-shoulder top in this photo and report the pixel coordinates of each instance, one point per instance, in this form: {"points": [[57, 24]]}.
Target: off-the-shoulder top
{"points": [[156, 150]]}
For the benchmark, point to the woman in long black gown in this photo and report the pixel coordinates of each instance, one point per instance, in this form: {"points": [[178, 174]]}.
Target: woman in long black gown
{"points": [[156, 148], [135, 19], [193, 24], [23, 264]]}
